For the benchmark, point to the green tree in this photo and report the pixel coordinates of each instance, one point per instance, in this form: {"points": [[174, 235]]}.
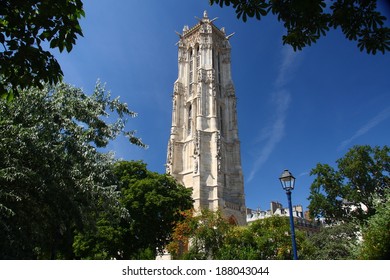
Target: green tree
{"points": [[307, 20], [240, 245], [205, 231], [152, 204], [264, 239], [209, 236], [337, 242], [347, 193], [51, 173], [26, 27], [376, 232]]}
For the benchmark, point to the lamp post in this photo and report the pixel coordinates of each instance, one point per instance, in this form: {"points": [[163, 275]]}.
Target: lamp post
{"points": [[288, 181]]}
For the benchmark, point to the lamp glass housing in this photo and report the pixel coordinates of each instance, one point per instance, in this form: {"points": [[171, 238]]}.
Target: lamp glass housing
{"points": [[287, 180]]}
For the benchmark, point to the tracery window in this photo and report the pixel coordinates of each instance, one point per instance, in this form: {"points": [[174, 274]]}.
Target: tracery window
{"points": [[219, 74], [197, 57], [191, 71]]}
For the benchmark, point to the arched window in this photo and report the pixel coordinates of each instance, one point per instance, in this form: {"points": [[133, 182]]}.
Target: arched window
{"points": [[219, 74], [232, 220], [191, 71], [197, 57]]}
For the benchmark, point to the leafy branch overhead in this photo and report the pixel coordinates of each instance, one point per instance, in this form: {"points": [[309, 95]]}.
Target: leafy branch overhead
{"points": [[307, 20], [26, 27]]}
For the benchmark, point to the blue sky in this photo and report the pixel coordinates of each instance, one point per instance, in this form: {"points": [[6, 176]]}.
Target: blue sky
{"points": [[295, 109]]}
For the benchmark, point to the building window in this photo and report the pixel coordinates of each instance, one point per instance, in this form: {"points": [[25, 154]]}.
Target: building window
{"points": [[191, 72], [219, 74], [219, 67], [197, 57]]}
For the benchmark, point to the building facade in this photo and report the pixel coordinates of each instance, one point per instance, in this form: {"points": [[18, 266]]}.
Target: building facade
{"points": [[301, 218], [203, 147]]}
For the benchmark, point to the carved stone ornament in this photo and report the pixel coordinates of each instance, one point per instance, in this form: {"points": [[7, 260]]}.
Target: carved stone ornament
{"points": [[185, 98], [173, 130], [208, 46], [210, 76], [177, 88], [199, 92], [182, 59], [214, 89], [193, 88], [196, 165], [230, 89], [192, 40], [168, 169], [197, 142], [201, 75], [203, 29], [226, 59], [169, 160], [218, 155], [174, 102], [168, 165]]}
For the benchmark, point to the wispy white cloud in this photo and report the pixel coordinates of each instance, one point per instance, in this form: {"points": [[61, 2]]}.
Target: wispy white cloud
{"points": [[380, 117], [286, 67], [275, 131], [304, 174], [280, 99]]}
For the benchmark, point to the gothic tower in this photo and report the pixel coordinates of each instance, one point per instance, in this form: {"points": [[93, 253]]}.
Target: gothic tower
{"points": [[203, 148]]}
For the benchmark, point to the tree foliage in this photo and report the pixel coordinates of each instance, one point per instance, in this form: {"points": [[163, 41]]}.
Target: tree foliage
{"points": [[152, 204], [199, 235], [307, 20], [376, 232], [264, 239], [204, 232], [348, 193], [26, 28], [337, 242], [51, 173], [210, 236]]}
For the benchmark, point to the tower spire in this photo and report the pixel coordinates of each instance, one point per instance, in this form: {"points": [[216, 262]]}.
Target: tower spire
{"points": [[203, 148]]}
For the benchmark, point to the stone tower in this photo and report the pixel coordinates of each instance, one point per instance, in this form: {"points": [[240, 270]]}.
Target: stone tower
{"points": [[203, 148]]}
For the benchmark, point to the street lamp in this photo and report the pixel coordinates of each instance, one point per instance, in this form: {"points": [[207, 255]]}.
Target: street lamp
{"points": [[288, 181]]}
